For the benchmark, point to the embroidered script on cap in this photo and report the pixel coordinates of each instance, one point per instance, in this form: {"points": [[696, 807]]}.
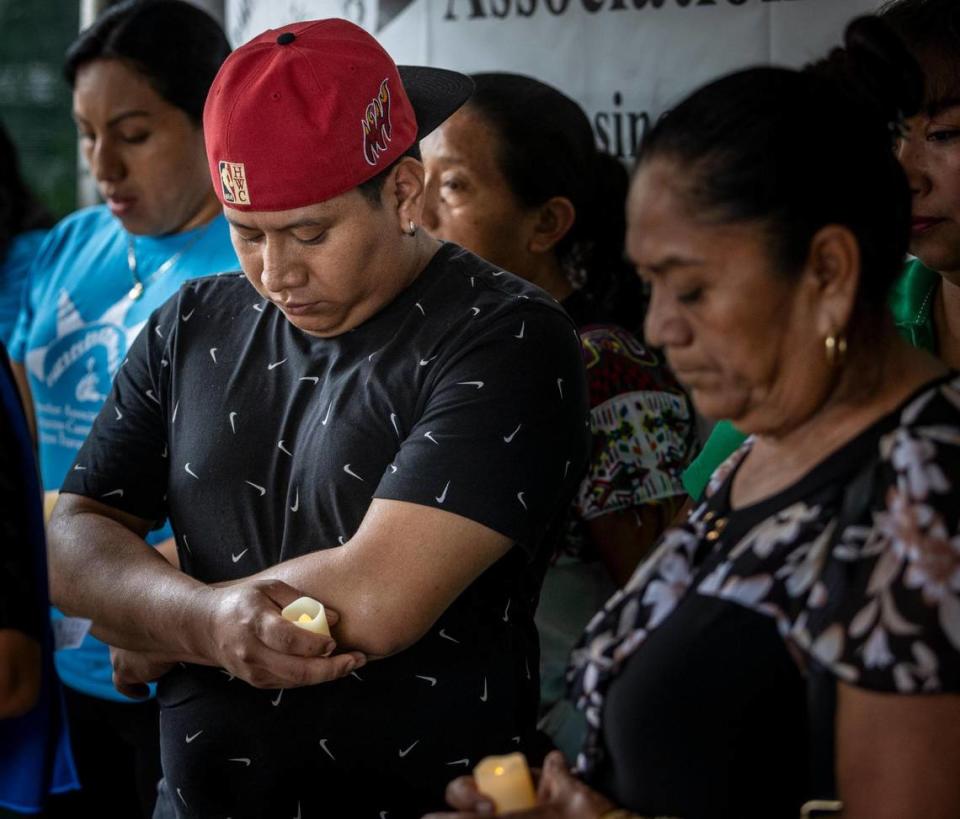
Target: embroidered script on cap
{"points": [[377, 127], [233, 180]]}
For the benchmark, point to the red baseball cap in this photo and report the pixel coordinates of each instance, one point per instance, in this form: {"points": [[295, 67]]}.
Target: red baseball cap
{"points": [[304, 113]]}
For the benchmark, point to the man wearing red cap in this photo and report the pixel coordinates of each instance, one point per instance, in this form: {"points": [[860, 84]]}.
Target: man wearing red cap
{"points": [[389, 425]]}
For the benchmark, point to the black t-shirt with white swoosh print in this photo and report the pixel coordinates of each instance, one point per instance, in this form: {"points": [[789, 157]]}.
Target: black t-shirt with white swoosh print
{"points": [[262, 443]]}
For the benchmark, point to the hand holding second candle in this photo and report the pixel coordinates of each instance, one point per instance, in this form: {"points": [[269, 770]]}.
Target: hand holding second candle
{"points": [[560, 795]]}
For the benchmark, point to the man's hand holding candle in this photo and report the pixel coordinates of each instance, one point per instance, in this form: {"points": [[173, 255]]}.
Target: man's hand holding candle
{"points": [[240, 628], [244, 633]]}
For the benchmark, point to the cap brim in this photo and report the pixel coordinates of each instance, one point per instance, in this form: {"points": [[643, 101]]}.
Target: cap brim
{"points": [[434, 93]]}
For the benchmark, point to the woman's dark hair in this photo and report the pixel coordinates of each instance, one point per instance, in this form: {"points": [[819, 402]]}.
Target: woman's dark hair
{"points": [[931, 30], [177, 47], [546, 148], [798, 150], [19, 209]]}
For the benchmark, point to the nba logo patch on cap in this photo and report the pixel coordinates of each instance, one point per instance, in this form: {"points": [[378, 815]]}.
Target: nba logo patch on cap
{"points": [[233, 181]]}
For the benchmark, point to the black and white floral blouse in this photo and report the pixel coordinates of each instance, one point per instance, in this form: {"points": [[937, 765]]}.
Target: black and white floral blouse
{"points": [[690, 676]]}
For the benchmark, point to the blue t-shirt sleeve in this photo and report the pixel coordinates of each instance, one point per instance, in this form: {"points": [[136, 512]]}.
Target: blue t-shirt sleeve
{"points": [[36, 280]]}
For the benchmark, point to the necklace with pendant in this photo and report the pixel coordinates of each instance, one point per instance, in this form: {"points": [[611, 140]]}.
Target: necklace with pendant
{"points": [[139, 285]]}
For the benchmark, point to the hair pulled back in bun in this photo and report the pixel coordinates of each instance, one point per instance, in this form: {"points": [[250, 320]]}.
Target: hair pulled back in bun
{"points": [[546, 148], [874, 72], [795, 151], [175, 45], [931, 30]]}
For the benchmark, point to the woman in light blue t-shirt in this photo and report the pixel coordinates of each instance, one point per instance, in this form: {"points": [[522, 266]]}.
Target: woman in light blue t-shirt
{"points": [[140, 75]]}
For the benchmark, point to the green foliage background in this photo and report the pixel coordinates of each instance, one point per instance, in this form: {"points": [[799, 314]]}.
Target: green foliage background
{"points": [[34, 97]]}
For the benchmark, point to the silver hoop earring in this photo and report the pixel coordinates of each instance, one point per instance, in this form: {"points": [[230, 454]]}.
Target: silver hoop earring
{"points": [[412, 230]]}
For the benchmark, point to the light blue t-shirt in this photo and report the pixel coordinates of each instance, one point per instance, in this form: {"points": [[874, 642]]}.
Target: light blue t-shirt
{"points": [[13, 278], [75, 329]]}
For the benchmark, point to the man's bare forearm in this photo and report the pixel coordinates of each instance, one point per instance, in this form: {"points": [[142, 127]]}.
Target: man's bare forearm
{"points": [[103, 570]]}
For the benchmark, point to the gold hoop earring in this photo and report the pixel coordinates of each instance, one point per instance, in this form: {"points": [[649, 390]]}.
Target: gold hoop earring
{"points": [[412, 230], [836, 349]]}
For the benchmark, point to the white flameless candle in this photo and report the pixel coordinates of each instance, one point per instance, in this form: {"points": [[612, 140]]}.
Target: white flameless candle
{"points": [[506, 780], [309, 614]]}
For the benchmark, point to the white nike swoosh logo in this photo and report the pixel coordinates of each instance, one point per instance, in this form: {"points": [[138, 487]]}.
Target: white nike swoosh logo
{"points": [[296, 503], [408, 750], [152, 397], [464, 762], [230, 677], [420, 308], [483, 696], [443, 495], [523, 326], [282, 448], [477, 384], [327, 416], [277, 700], [431, 680], [506, 615], [498, 273], [259, 307], [176, 409], [241, 759], [508, 438], [188, 316], [522, 501], [79, 468], [190, 472], [443, 633], [560, 386], [351, 473], [393, 468], [425, 361], [119, 414], [233, 426], [314, 378], [276, 364], [213, 354], [341, 540], [326, 750], [476, 311], [235, 558], [192, 738], [429, 437], [157, 331], [118, 492], [393, 420], [262, 490]]}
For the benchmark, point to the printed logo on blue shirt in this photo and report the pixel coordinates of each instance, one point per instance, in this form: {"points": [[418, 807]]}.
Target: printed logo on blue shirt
{"points": [[76, 370]]}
